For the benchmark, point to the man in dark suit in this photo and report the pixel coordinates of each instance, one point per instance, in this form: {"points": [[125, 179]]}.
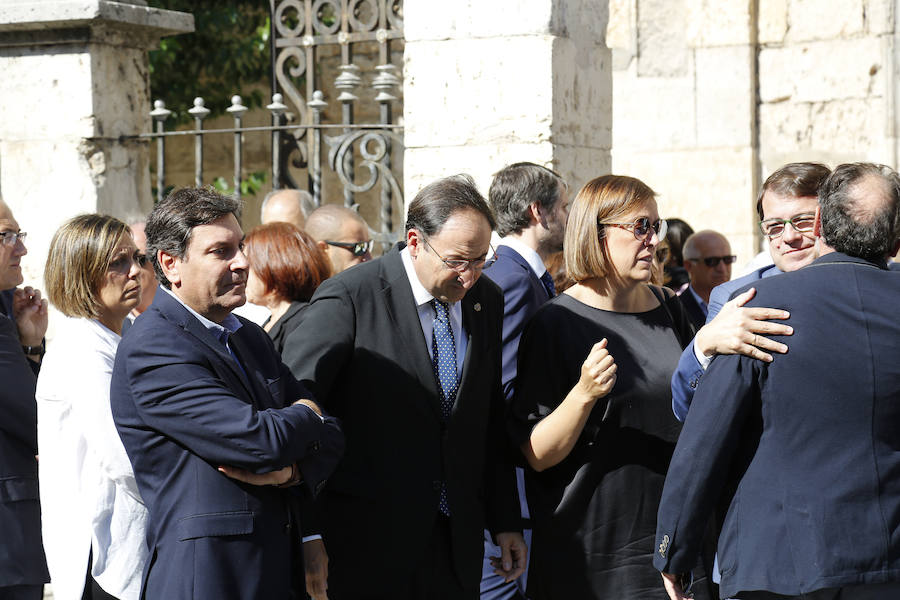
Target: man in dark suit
{"points": [[531, 204], [786, 204], [196, 393], [708, 260], [405, 350], [806, 443], [23, 322]]}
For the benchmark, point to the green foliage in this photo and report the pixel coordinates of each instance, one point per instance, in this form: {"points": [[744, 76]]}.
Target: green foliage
{"points": [[250, 185], [227, 53]]}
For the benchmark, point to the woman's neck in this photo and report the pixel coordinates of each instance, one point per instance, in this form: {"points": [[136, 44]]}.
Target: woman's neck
{"points": [[113, 322], [277, 308], [600, 292]]}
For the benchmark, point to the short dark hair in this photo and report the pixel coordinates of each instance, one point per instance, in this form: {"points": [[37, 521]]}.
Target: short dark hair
{"points": [[287, 260], [172, 221], [798, 180], [864, 229], [433, 205], [513, 190]]}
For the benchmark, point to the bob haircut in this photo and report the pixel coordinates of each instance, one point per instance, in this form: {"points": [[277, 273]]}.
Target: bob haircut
{"points": [[287, 260], [605, 198], [79, 256]]}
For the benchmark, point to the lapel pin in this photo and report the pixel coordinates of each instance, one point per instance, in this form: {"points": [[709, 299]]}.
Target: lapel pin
{"points": [[477, 307]]}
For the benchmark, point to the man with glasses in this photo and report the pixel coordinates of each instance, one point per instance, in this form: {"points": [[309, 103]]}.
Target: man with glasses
{"points": [[23, 322], [405, 350], [708, 260], [342, 234], [803, 449], [785, 204]]}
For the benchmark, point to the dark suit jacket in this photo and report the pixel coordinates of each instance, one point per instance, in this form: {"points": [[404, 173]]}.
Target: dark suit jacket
{"points": [[183, 406], [360, 349], [286, 324], [809, 442], [22, 559], [693, 308], [523, 294]]}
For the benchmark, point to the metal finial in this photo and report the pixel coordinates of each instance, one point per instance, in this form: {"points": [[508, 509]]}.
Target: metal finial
{"points": [[318, 101], [199, 111], [237, 109], [160, 112], [277, 107], [347, 81]]}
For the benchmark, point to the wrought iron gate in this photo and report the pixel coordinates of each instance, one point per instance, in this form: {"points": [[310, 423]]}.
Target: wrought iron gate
{"points": [[363, 158]]}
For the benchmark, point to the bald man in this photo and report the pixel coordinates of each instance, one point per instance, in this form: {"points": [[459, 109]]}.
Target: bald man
{"points": [[342, 234], [708, 260], [289, 206]]}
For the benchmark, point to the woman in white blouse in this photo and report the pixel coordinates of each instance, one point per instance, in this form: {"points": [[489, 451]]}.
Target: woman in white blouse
{"points": [[93, 516]]}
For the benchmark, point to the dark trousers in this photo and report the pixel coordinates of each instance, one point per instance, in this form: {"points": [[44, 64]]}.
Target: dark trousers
{"points": [[434, 577], [22, 592], [874, 591]]}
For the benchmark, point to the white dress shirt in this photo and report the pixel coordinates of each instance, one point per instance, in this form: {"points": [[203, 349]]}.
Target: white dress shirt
{"points": [[528, 253], [423, 300], [89, 499]]}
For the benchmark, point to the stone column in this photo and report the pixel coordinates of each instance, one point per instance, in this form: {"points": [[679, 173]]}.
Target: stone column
{"points": [[491, 83], [74, 79]]}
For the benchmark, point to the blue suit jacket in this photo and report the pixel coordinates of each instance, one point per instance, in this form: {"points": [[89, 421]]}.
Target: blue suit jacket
{"points": [[183, 406], [687, 375], [808, 443], [22, 559], [523, 294]]}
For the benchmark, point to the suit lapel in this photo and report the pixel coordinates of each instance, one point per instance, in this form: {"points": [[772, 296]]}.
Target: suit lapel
{"points": [[401, 309]]}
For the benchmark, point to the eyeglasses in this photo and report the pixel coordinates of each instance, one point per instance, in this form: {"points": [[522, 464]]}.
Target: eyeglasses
{"points": [[713, 261], [802, 223], [357, 248], [641, 228], [123, 262], [142, 260], [460, 265], [9, 238]]}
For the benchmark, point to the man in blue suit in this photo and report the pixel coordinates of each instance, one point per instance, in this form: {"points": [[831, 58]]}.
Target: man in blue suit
{"points": [[708, 260], [785, 205], [806, 444], [23, 321], [531, 204], [196, 393]]}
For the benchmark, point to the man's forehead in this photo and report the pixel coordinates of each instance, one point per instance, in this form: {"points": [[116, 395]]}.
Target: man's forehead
{"points": [[784, 206]]}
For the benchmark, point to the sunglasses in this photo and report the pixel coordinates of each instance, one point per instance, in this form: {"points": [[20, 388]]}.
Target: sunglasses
{"points": [[713, 261], [357, 248], [642, 227]]}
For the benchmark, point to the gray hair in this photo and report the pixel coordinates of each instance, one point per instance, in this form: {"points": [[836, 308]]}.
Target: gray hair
{"points": [[172, 221], [860, 226]]}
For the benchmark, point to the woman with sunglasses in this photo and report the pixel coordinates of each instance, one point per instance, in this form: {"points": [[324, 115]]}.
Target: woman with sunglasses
{"points": [[592, 408], [93, 515]]}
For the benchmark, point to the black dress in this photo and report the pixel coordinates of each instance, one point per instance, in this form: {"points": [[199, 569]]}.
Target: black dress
{"points": [[285, 325], [594, 514]]}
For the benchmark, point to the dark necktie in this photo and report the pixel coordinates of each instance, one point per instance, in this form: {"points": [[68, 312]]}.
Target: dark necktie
{"points": [[548, 284], [443, 360]]}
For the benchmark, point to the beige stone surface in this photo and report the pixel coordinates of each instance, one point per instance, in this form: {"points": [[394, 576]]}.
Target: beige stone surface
{"points": [[662, 39], [467, 19], [772, 21], [725, 96], [879, 16], [823, 71], [824, 19], [716, 23]]}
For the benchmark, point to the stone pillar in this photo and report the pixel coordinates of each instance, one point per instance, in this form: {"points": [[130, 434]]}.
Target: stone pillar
{"points": [[74, 79], [491, 83]]}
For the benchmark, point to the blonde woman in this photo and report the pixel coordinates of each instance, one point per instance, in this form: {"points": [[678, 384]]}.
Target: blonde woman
{"points": [[93, 515]]}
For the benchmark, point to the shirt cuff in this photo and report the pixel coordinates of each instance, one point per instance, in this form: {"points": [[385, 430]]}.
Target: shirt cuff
{"points": [[322, 418], [702, 358], [310, 538]]}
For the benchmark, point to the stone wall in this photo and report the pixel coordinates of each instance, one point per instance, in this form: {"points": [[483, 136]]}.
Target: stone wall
{"points": [[710, 97]]}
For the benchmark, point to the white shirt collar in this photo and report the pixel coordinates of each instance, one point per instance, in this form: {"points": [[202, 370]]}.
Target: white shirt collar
{"points": [[529, 254], [230, 324], [420, 294]]}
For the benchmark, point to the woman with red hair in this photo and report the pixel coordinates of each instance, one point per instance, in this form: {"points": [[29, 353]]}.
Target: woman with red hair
{"points": [[286, 267]]}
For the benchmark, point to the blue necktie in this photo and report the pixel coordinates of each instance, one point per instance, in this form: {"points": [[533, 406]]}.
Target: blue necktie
{"points": [[443, 360], [548, 284]]}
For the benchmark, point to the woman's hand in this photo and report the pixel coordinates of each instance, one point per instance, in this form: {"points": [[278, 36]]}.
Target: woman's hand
{"points": [[598, 373]]}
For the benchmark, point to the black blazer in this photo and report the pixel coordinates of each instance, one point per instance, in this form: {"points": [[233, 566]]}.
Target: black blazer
{"points": [[693, 309], [20, 509], [809, 442], [183, 406], [360, 349], [286, 324]]}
